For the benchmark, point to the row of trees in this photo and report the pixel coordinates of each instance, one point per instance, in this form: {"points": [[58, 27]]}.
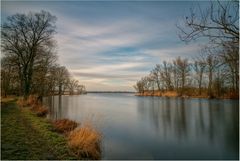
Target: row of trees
{"points": [[29, 64], [204, 75], [216, 69]]}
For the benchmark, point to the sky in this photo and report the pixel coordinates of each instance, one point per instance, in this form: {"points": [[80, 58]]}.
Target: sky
{"points": [[109, 45]]}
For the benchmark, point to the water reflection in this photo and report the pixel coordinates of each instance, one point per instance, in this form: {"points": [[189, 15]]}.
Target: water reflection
{"points": [[55, 105], [214, 122], [156, 128]]}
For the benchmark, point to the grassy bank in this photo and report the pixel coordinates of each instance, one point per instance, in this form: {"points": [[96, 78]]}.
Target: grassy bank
{"points": [[26, 136]]}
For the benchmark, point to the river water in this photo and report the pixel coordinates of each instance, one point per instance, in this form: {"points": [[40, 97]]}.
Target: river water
{"points": [[154, 127]]}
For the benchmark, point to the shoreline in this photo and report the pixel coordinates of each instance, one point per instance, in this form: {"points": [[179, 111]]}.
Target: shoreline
{"points": [[174, 94]]}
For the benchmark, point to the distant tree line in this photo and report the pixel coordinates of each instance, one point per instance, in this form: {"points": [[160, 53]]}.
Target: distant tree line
{"points": [[29, 62], [215, 71]]}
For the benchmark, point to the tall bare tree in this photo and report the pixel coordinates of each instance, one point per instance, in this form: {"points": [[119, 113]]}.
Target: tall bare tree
{"points": [[183, 69], [211, 64], [23, 36], [156, 75], [62, 79], [199, 67], [166, 75], [73, 84]]}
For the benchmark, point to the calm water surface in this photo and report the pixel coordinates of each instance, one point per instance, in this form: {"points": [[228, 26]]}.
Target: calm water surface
{"points": [[156, 128]]}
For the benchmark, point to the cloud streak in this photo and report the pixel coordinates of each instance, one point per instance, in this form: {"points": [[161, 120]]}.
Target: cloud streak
{"points": [[109, 46]]}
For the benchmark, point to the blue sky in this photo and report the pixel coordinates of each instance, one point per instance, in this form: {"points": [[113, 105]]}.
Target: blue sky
{"points": [[110, 45]]}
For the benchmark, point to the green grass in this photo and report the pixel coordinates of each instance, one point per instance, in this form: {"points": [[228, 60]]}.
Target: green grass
{"points": [[26, 136]]}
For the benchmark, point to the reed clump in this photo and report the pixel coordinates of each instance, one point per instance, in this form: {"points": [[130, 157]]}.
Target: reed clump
{"points": [[64, 125], [85, 142]]}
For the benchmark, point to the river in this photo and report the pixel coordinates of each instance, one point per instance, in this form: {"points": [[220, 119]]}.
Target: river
{"points": [[155, 127]]}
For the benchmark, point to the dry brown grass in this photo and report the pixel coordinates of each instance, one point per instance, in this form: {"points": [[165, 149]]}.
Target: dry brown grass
{"points": [[32, 100], [42, 111], [64, 125], [39, 110], [159, 93], [21, 102], [170, 94], [85, 142]]}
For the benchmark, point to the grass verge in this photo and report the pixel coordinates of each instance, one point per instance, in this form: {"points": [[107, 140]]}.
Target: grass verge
{"points": [[27, 137]]}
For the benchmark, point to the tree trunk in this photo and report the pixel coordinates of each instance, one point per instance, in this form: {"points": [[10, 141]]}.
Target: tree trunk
{"points": [[210, 84], [200, 84], [60, 89]]}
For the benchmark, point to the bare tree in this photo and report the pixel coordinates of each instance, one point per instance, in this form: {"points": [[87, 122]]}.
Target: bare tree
{"points": [[139, 86], [199, 68], [166, 75], [62, 78], [73, 85], [229, 56], [211, 64], [183, 69], [219, 22], [43, 63], [156, 75], [6, 75], [81, 89], [22, 36]]}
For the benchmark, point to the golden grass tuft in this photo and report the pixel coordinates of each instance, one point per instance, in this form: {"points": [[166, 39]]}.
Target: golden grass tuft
{"points": [[85, 142], [64, 125]]}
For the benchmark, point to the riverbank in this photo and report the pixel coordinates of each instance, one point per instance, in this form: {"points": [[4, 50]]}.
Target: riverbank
{"points": [[26, 136], [189, 95]]}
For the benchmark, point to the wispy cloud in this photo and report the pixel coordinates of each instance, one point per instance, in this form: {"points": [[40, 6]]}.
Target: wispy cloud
{"points": [[109, 46]]}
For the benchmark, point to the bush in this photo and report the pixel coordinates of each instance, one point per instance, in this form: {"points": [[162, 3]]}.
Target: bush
{"points": [[64, 125], [85, 142]]}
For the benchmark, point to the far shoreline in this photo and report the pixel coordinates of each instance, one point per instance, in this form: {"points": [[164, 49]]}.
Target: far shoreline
{"points": [[174, 94]]}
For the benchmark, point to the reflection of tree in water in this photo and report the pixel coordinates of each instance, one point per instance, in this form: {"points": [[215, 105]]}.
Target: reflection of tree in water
{"points": [[55, 105], [231, 137], [202, 127], [150, 107], [166, 114], [180, 118], [212, 121]]}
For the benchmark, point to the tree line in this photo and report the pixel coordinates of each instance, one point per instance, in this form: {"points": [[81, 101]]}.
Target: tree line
{"points": [[215, 71], [29, 62]]}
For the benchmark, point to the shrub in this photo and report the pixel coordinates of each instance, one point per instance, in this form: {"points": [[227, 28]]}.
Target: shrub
{"points": [[85, 142], [64, 125]]}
